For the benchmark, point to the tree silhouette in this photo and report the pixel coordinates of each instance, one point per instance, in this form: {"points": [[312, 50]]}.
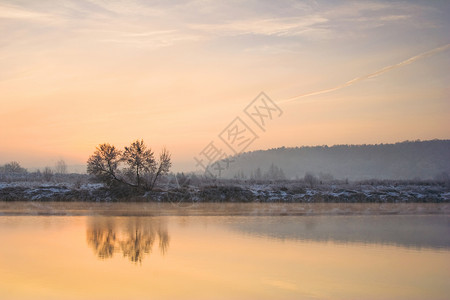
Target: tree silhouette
{"points": [[310, 179], [104, 163], [60, 167], [140, 160], [135, 166], [47, 174], [164, 165], [12, 168]]}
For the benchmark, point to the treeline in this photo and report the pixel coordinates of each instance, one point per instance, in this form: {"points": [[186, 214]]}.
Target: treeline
{"points": [[427, 160], [13, 171], [273, 173], [12, 168]]}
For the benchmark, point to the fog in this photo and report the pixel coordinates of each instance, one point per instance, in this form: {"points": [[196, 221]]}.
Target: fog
{"points": [[405, 160]]}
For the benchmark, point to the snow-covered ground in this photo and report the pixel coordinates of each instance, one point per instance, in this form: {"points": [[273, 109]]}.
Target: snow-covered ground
{"points": [[288, 191], [38, 191]]}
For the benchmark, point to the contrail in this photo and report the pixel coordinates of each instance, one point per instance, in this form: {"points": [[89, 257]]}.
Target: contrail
{"points": [[371, 75]]}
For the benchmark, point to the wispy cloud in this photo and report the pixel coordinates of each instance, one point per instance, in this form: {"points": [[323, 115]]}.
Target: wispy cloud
{"points": [[150, 41], [371, 75], [127, 7], [13, 12], [394, 17], [269, 27], [165, 24]]}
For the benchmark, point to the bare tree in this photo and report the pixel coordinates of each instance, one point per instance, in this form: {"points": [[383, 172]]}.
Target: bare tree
{"points": [[12, 168], [164, 165], [310, 179], [60, 167], [258, 174], [104, 163], [140, 161], [141, 171], [47, 174], [275, 173]]}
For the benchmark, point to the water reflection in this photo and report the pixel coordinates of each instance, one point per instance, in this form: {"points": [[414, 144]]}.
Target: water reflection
{"points": [[134, 237], [426, 231], [220, 257]]}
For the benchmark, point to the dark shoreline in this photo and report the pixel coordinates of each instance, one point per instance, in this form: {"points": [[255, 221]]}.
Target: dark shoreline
{"points": [[279, 192]]}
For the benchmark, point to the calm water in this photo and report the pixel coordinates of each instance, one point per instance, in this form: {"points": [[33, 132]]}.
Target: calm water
{"points": [[142, 251]]}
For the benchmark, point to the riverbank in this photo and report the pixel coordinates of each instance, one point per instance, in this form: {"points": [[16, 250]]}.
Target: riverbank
{"points": [[226, 191]]}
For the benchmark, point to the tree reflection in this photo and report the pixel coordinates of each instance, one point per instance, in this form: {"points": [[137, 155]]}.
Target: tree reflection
{"points": [[133, 237], [163, 241], [103, 241]]}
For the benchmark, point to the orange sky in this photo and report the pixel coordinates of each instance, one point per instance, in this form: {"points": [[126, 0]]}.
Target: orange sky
{"points": [[79, 73]]}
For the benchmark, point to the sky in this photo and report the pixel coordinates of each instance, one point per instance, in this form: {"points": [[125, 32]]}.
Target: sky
{"points": [[75, 74]]}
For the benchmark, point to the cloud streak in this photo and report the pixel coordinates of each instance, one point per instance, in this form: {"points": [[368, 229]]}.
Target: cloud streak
{"points": [[368, 76], [16, 13], [268, 27]]}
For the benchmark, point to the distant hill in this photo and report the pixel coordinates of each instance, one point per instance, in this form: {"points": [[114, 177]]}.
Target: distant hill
{"points": [[405, 160]]}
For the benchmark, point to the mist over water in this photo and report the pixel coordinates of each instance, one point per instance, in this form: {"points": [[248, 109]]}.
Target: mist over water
{"points": [[118, 253]]}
